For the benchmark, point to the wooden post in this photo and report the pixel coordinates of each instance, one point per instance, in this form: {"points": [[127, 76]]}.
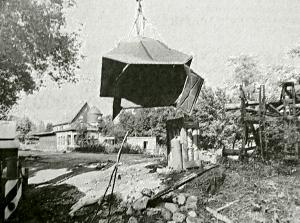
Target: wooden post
{"points": [[176, 163], [198, 140], [190, 138], [243, 123], [25, 176], [195, 144], [1, 194], [265, 143], [12, 168], [295, 132], [285, 104], [260, 124], [190, 145], [183, 137]]}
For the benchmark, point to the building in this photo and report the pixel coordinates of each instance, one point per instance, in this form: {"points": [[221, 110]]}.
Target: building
{"points": [[65, 134], [147, 144], [111, 140], [46, 142]]}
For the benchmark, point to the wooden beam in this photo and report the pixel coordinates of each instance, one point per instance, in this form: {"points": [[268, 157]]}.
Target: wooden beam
{"points": [[180, 183], [227, 205], [235, 152], [218, 215], [274, 109]]}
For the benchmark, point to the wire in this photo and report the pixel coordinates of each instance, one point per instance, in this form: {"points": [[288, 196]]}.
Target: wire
{"points": [[111, 195], [113, 175]]}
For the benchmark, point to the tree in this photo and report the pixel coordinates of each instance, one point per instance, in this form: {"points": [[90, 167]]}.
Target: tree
{"points": [[41, 126], [127, 121], [140, 122], [24, 126], [275, 76], [246, 72], [157, 122], [147, 122], [109, 128], [295, 52], [216, 126], [49, 127], [34, 46]]}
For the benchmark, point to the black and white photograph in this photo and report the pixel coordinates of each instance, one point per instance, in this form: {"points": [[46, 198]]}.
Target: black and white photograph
{"points": [[149, 111]]}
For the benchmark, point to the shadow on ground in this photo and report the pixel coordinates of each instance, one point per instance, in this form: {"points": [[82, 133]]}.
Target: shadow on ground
{"points": [[51, 204]]}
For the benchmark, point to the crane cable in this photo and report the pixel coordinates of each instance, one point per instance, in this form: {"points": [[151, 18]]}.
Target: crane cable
{"points": [[138, 22], [155, 33]]}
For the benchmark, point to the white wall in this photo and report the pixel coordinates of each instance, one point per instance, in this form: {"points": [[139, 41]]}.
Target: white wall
{"points": [[148, 142], [109, 139]]}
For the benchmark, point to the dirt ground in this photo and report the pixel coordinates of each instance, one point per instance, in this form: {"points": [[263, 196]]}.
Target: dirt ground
{"points": [[51, 201], [259, 192], [37, 160]]}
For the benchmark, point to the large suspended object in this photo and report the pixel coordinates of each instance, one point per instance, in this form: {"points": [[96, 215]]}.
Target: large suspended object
{"points": [[148, 73]]}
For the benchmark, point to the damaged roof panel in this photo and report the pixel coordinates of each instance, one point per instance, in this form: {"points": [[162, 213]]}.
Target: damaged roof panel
{"points": [[148, 73]]}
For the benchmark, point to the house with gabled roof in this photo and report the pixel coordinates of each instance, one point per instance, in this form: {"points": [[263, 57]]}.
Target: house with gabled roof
{"points": [[66, 132]]}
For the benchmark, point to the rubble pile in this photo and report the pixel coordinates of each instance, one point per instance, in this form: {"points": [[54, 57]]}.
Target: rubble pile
{"points": [[210, 156], [172, 208], [130, 181]]}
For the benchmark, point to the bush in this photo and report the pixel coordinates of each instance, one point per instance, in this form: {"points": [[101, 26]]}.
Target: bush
{"points": [[107, 148], [97, 148]]}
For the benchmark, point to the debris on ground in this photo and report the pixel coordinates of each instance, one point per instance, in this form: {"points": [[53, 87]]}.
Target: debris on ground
{"points": [[131, 181], [30, 158], [256, 192], [240, 192], [177, 207], [253, 192], [94, 165], [169, 204], [210, 156], [182, 182]]}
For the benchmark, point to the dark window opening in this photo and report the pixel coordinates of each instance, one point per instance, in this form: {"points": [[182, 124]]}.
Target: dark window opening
{"points": [[145, 144]]}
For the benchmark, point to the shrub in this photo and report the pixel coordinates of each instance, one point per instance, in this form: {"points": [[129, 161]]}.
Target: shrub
{"points": [[96, 148], [107, 148]]}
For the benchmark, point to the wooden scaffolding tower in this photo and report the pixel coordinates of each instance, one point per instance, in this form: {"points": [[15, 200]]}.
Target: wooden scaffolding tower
{"points": [[258, 115]]}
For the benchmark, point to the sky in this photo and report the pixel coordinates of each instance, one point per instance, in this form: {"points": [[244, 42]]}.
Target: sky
{"points": [[210, 30]]}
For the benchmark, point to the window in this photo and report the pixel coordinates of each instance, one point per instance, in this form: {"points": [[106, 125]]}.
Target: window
{"points": [[68, 139], [145, 145], [76, 139]]}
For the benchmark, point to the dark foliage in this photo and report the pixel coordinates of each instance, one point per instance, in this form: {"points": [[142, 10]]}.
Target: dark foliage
{"points": [[33, 45]]}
